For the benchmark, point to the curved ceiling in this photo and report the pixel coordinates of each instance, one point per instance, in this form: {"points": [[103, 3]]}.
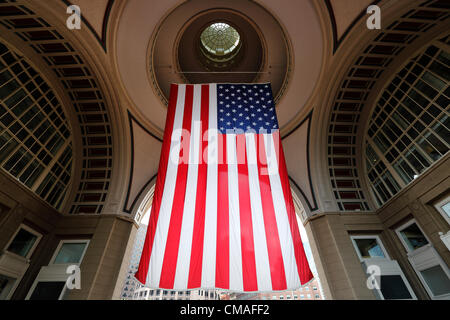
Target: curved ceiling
{"points": [[143, 22], [195, 67]]}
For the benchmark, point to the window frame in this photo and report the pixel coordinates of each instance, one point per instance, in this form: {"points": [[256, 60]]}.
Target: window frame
{"points": [[438, 205], [427, 135], [426, 249], [405, 244], [33, 247], [15, 283], [61, 243], [57, 272], [36, 282], [368, 237], [384, 261]]}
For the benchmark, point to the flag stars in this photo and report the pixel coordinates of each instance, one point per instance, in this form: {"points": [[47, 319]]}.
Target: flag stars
{"points": [[245, 107]]}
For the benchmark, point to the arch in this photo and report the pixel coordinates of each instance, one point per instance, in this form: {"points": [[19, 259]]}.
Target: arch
{"points": [[88, 98], [421, 139], [101, 38], [36, 138], [351, 97]]}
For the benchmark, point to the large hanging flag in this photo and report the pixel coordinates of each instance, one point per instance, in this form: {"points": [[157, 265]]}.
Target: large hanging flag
{"points": [[222, 215]]}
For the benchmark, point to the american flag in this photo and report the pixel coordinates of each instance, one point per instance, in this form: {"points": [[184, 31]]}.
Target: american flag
{"points": [[222, 215]]}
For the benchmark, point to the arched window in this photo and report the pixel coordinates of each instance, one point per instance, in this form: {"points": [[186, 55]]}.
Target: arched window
{"points": [[35, 137], [409, 128]]}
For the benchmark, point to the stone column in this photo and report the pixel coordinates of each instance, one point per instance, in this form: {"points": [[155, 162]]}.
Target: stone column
{"points": [[340, 271], [105, 262]]}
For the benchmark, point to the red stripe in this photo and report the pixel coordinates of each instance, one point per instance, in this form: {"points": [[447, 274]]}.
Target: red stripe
{"points": [[195, 268], [276, 263], [173, 237], [141, 274], [223, 242], [250, 281], [303, 269]]}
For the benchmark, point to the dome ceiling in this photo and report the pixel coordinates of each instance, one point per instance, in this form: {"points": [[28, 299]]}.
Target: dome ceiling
{"points": [[194, 65], [157, 43]]}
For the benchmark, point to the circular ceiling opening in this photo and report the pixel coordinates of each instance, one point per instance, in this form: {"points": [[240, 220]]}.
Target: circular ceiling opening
{"points": [[220, 41], [199, 44], [220, 46]]}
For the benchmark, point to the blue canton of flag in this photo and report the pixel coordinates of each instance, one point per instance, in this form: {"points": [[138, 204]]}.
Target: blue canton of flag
{"points": [[245, 108]]}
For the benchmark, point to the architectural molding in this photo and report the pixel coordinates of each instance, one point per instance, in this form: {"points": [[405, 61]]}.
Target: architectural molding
{"points": [[101, 38], [127, 207]]}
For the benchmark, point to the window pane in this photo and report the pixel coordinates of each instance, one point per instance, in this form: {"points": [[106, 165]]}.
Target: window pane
{"points": [[434, 81], [22, 243], [393, 287], [428, 148], [414, 238], [437, 280], [404, 170], [390, 182], [36, 173], [32, 124], [414, 162], [7, 149], [6, 284], [50, 290], [443, 132], [371, 155], [382, 191], [440, 70], [437, 143], [369, 248], [382, 143], [70, 253], [446, 209]]}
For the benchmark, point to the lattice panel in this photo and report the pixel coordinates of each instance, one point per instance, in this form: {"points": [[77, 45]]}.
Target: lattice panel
{"points": [[354, 90], [87, 100]]}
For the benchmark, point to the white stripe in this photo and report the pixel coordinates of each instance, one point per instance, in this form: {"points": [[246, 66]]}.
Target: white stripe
{"points": [[263, 275], [187, 224], [210, 232], [162, 227], [284, 230], [236, 281]]}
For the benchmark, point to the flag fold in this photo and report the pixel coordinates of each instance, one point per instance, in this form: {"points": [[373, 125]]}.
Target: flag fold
{"points": [[222, 215]]}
